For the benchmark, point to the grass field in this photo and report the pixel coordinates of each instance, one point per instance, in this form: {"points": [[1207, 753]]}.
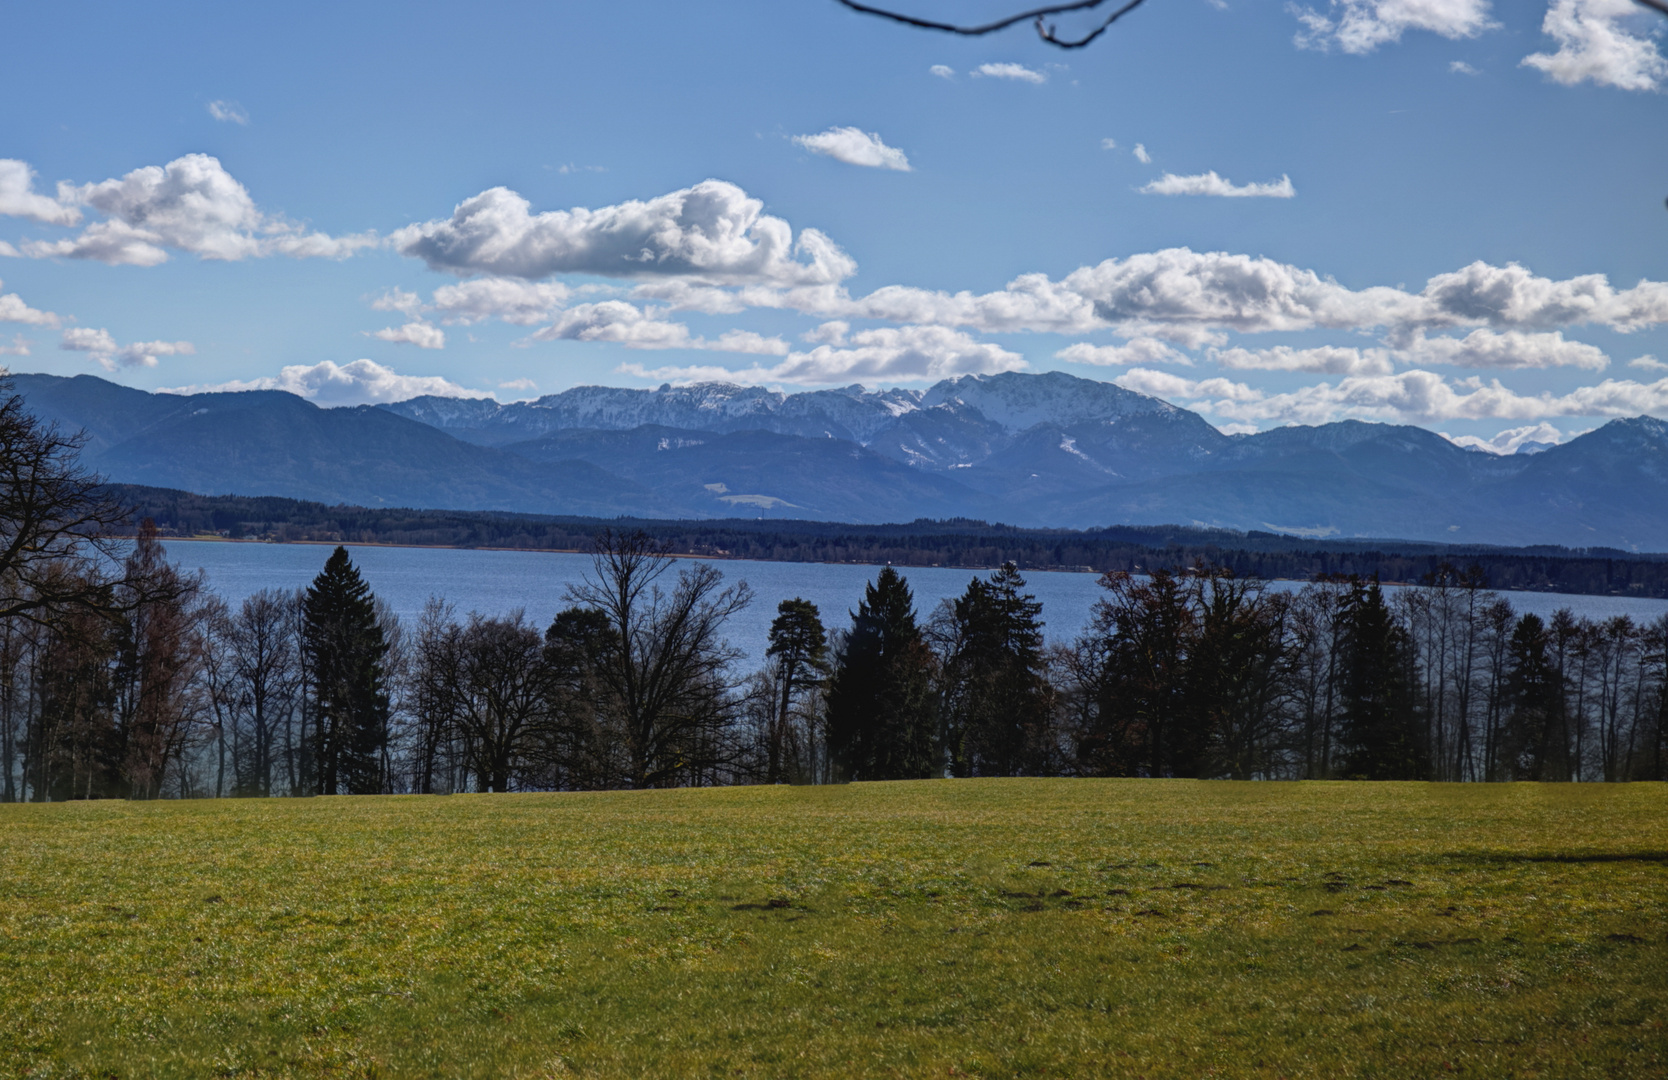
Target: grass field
{"points": [[982, 928]]}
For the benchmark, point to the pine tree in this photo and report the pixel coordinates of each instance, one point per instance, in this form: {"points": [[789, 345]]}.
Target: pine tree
{"points": [[347, 697], [882, 710], [1380, 717], [799, 648]]}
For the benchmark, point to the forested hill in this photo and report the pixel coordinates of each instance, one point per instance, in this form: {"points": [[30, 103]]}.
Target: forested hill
{"points": [[958, 542]]}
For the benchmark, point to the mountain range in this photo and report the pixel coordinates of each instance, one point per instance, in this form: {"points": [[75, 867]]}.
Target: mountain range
{"points": [[1046, 449]]}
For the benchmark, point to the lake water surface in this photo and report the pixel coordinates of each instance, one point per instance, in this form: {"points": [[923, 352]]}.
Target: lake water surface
{"points": [[497, 582]]}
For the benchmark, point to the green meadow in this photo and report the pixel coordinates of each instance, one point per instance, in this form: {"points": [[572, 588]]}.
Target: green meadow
{"points": [[992, 928]]}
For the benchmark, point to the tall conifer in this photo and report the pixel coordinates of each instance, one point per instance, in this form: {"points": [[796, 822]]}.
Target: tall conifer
{"points": [[347, 698], [882, 711]]}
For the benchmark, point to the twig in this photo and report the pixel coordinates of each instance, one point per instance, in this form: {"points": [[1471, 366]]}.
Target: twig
{"points": [[1048, 32]]}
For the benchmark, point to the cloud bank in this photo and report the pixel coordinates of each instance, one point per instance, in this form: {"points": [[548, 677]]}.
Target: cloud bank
{"points": [[362, 382]]}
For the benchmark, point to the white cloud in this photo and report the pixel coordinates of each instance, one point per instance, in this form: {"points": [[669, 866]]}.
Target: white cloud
{"points": [[1460, 67], [519, 384], [417, 332], [1211, 184], [1512, 349], [228, 112], [626, 324], [1508, 441], [1410, 397], [363, 382], [1647, 363], [1141, 154], [19, 346], [192, 204], [855, 146], [1361, 26], [103, 348], [889, 354], [1141, 350], [18, 197], [684, 296], [712, 232], [512, 300], [1594, 46], [1016, 72], [13, 309], [1109, 144], [1327, 359], [406, 303], [943, 71]]}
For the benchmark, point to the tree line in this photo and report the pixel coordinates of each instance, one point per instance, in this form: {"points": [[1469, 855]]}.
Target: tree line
{"points": [[150, 685], [953, 543]]}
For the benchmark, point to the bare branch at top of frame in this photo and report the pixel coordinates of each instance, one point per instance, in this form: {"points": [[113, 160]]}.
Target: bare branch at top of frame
{"points": [[1047, 31]]}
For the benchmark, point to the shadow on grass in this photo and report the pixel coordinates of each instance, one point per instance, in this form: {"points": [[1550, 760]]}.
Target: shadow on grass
{"points": [[1558, 856]]}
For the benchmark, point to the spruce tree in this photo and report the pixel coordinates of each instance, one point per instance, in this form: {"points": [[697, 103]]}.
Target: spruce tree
{"points": [[997, 699], [882, 710], [1535, 747], [346, 696], [1380, 716]]}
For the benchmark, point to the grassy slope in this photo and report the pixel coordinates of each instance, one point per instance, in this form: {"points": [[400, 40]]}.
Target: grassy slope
{"points": [[992, 928]]}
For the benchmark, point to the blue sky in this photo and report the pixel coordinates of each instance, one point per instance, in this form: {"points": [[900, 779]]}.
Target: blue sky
{"points": [[1447, 213]]}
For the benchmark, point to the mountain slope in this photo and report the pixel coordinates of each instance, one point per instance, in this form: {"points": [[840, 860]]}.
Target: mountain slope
{"points": [[273, 443], [1032, 450]]}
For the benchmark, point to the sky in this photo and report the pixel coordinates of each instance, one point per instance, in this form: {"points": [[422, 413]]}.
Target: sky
{"points": [[1447, 213]]}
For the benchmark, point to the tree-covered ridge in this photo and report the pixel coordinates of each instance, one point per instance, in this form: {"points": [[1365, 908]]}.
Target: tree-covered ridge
{"points": [[964, 543]]}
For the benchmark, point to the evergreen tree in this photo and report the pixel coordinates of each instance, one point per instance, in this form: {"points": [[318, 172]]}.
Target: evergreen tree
{"points": [[1533, 746], [882, 710], [1381, 722], [347, 699], [997, 701]]}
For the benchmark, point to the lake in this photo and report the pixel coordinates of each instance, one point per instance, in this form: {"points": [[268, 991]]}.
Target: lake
{"points": [[497, 582]]}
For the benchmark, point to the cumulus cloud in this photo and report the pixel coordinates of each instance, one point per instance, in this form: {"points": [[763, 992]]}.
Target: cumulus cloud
{"points": [[229, 112], [104, 349], [1209, 183], [13, 309], [1361, 26], [1327, 359], [1510, 440], [713, 232], [1512, 349], [519, 385], [363, 382], [1460, 67], [1647, 363], [417, 332], [1415, 396], [193, 205], [18, 197], [854, 146], [626, 324], [1192, 298], [19, 346], [1141, 350], [943, 71], [1141, 154], [1594, 45], [512, 300], [1016, 72], [888, 354]]}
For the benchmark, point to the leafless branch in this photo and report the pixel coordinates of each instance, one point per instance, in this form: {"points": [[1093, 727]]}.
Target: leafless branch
{"points": [[1654, 5], [1047, 31]]}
